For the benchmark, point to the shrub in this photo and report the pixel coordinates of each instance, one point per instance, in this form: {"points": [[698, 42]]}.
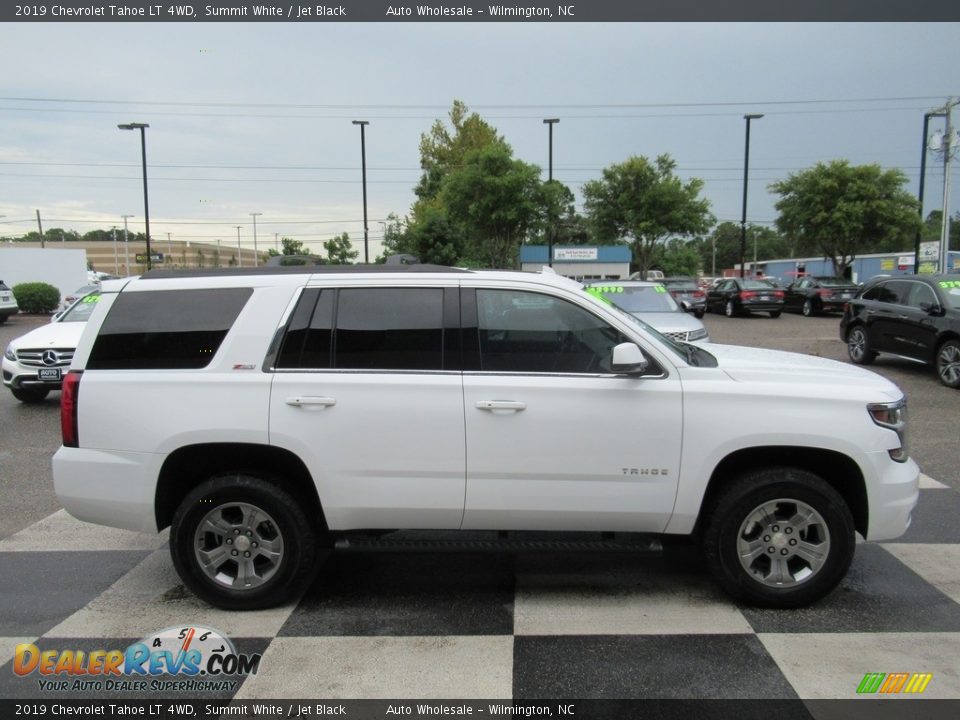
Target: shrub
{"points": [[36, 297]]}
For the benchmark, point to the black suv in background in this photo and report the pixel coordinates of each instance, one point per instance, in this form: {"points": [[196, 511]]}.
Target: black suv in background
{"points": [[916, 317], [737, 296]]}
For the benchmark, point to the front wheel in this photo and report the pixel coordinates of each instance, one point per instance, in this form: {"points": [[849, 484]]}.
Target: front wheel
{"points": [[948, 363], [808, 309], [242, 543], [775, 314], [858, 346], [779, 537]]}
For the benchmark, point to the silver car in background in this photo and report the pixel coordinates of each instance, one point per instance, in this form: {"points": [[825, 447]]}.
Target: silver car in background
{"points": [[652, 303]]}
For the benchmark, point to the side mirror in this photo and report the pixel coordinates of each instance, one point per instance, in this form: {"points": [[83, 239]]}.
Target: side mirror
{"points": [[931, 308], [685, 305], [628, 360]]}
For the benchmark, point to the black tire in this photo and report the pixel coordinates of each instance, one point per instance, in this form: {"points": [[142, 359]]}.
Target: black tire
{"points": [[948, 363], [729, 309], [775, 314], [732, 523], [808, 309], [283, 518], [858, 346], [29, 396], [698, 314]]}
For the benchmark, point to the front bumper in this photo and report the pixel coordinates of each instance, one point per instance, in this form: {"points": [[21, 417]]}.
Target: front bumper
{"points": [[892, 497]]}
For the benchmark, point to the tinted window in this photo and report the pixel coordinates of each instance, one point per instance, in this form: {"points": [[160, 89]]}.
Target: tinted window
{"points": [[389, 329], [308, 340], [920, 293], [884, 292], [166, 329], [527, 332]]}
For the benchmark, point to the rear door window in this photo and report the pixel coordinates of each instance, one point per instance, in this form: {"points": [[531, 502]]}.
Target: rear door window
{"points": [[166, 329]]}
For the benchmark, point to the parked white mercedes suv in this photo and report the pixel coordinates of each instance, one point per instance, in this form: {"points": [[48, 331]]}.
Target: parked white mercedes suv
{"points": [[267, 415]]}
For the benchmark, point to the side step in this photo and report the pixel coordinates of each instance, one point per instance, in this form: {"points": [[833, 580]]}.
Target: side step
{"points": [[430, 541]]}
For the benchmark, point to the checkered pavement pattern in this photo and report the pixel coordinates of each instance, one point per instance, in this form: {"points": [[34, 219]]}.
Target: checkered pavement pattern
{"points": [[501, 625]]}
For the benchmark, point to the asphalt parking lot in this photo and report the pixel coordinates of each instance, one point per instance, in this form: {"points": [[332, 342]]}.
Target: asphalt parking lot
{"points": [[500, 625]]}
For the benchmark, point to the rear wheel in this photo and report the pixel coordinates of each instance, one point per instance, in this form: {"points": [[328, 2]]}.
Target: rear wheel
{"points": [[29, 396], [779, 537], [729, 310], [808, 309], [948, 363], [775, 314], [858, 346], [243, 543]]}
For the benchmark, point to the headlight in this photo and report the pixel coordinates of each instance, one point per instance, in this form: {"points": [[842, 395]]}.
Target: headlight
{"points": [[893, 416], [9, 354]]}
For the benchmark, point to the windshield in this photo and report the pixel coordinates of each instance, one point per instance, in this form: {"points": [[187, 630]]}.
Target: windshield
{"points": [[633, 299], [951, 291], [81, 309]]}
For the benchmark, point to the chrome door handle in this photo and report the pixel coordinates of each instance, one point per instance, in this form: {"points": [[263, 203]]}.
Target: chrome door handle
{"points": [[301, 400], [501, 405]]}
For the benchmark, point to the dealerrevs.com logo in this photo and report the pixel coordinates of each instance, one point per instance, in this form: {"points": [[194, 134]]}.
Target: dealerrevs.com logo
{"points": [[894, 683], [186, 658]]}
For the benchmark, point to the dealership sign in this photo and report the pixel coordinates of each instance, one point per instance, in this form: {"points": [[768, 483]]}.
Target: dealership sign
{"points": [[584, 253]]}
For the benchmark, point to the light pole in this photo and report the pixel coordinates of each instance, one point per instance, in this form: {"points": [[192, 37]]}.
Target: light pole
{"points": [[363, 160], [743, 219], [550, 122], [923, 173], [126, 243], [239, 251], [254, 216], [142, 127]]}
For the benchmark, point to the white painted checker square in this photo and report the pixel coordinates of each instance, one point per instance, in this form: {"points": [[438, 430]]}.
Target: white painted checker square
{"points": [[618, 595], [939, 565], [830, 666], [8, 646], [151, 597], [928, 483], [62, 532], [384, 667]]}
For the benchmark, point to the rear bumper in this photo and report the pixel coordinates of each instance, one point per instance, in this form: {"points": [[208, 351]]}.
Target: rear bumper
{"points": [[108, 487], [762, 306]]}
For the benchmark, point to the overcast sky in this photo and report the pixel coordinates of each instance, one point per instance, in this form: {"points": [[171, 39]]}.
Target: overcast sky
{"points": [[251, 117]]}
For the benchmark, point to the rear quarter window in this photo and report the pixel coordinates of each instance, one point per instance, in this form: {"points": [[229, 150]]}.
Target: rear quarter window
{"points": [[166, 329]]}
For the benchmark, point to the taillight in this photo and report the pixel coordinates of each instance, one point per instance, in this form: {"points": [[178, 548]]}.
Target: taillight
{"points": [[68, 409], [825, 293], [747, 294], [698, 293], [778, 294]]}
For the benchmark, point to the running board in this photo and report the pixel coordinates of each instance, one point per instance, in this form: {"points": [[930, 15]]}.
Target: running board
{"points": [[502, 542]]}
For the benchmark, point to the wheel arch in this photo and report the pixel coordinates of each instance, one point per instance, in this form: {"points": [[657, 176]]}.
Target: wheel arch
{"points": [[187, 467], [838, 470]]}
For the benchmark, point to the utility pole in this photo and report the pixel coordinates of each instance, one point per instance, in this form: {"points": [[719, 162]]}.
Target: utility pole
{"points": [[948, 147], [256, 261], [239, 250], [42, 245], [116, 260], [126, 244], [169, 248]]}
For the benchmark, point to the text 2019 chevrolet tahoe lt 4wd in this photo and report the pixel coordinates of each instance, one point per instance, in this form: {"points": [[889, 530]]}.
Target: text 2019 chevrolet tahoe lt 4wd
{"points": [[265, 414]]}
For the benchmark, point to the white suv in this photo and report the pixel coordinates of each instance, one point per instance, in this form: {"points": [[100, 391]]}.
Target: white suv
{"points": [[265, 415]]}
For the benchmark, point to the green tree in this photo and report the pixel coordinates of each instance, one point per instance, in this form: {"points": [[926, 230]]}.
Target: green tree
{"points": [[340, 250], [444, 150], [645, 203], [498, 199], [292, 247], [678, 257], [726, 238], [842, 210]]}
